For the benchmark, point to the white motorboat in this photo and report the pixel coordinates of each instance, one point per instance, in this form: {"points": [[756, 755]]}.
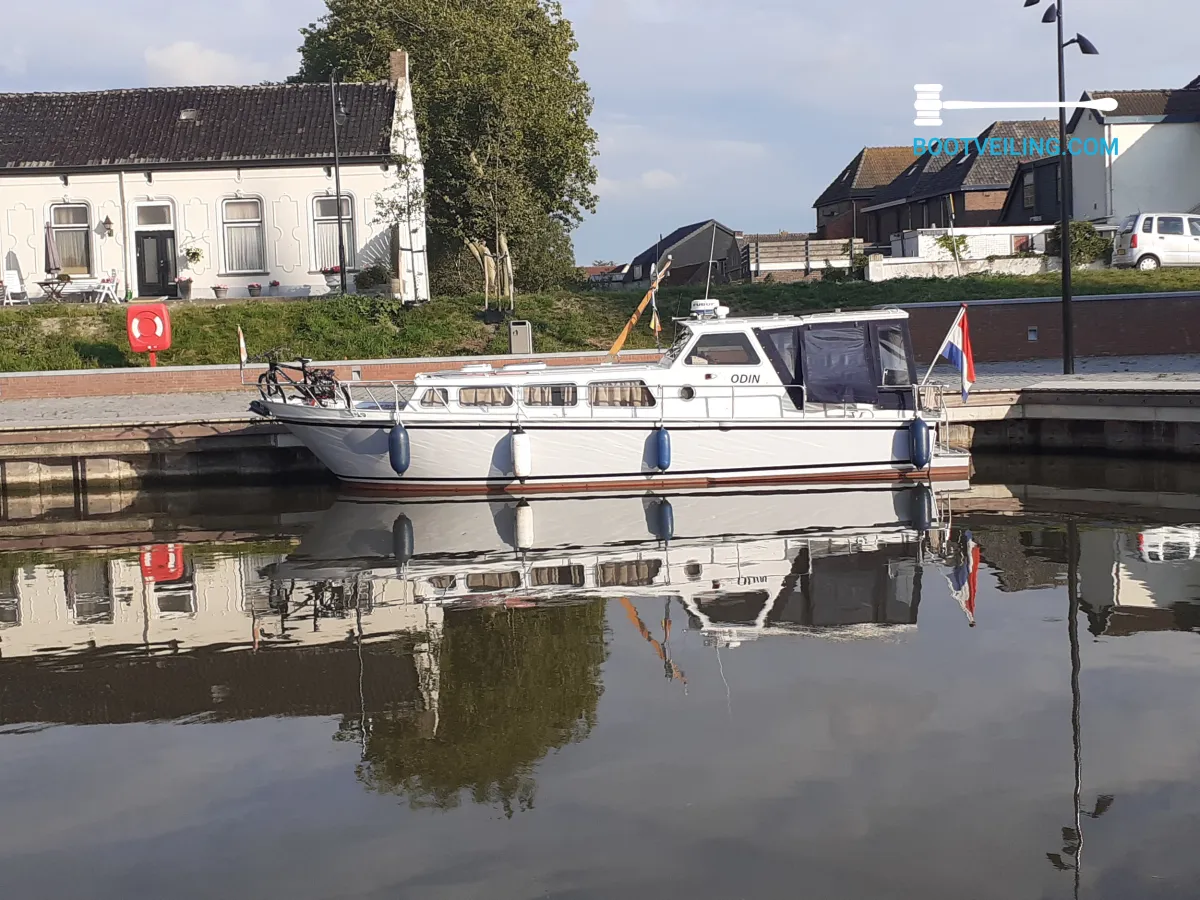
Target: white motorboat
{"points": [[743, 565], [738, 402]]}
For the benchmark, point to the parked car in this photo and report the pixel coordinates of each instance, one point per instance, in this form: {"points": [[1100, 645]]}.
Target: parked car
{"points": [[1169, 544], [1149, 240]]}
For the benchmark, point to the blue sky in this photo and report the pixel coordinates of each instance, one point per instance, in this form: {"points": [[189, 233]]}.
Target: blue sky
{"points": [[738, 111]]}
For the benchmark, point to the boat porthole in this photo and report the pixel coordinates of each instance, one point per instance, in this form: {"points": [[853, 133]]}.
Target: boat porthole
{"points": [[687, 393], [693, 571]]}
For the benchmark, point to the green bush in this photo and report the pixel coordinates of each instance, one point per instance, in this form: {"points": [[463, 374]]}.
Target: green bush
{"points": [[373, 276], [1087, 244]]}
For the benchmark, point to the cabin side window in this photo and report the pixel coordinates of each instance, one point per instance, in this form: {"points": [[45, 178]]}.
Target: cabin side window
{"points": [[551, 395], [620, 393], [837, 364], [893, 355], [732, 349], [485, 396], [434, 398]]}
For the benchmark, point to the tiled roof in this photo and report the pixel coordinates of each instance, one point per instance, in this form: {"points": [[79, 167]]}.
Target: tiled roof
{"points": [[1154, 103], [971, 170], [870, 169], [920, 172], [231, 124]]}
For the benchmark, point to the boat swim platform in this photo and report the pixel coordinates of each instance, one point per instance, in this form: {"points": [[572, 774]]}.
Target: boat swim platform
{"points": [[213, 438]]}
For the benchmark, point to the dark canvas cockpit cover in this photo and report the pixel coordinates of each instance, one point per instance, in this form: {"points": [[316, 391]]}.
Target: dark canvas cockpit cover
{"points": [[837, 365]]}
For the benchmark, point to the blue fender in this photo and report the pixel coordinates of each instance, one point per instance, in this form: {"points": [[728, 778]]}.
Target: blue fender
{"points": [[403, 540], [662, 519], [662, 449], [399, 449], [922, 508], [920, 443]]}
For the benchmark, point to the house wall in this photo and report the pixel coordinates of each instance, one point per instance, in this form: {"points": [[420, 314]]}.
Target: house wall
{"points": [[1157, 168], [1045, 205], [195, 197], [836, 223], [995, 240]]}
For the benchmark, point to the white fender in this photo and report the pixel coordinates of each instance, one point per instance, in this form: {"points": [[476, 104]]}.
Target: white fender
{"points": [[522, 454], [524, 526]]}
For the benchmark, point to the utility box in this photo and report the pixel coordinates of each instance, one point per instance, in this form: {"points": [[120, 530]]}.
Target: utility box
{"points": [[520, 338]]}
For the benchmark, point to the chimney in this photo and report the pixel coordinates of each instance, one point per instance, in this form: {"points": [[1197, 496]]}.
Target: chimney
{"points": [[398, 64]]}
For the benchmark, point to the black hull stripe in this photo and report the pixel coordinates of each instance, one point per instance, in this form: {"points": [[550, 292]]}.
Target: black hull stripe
{"points": [[891, 465]]}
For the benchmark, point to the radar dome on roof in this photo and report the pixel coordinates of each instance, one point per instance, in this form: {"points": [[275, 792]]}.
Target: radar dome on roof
{"points": [[704, 308]]}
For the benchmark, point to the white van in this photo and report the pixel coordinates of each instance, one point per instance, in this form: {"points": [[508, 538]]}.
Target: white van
{"points": [[1150, 240]]}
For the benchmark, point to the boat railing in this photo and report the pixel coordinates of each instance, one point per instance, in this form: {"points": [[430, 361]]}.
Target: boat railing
{"points": [[361, 398]]}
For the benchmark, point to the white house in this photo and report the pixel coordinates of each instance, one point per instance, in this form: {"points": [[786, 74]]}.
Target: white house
{"points": [[1157, 164], [130, 181]]}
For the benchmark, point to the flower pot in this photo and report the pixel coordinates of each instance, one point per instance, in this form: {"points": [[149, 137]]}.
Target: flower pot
{"points": [[397, 287], [273, 290], [333, 282], [220, 292], [185, 290], [255, 291]]}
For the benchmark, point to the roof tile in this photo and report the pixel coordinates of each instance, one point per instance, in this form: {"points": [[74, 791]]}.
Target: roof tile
{"points": [[232, 124]]}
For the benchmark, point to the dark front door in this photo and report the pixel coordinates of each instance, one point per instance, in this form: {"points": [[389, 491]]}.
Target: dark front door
{"points": [[156, 264]]}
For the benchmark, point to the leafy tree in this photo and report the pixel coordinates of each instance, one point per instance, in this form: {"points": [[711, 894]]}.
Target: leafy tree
{"points": [[502, 114], [515, 684]]}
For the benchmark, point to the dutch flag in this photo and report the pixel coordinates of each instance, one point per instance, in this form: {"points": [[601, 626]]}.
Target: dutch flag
{"points": [[964, 580], [957, 348]]}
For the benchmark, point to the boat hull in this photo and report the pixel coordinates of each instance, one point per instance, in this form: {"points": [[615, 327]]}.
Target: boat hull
{"points": [[450, 458]]}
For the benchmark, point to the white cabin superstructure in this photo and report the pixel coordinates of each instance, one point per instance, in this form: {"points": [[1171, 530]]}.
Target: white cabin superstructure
{"points": [[827, 398]]}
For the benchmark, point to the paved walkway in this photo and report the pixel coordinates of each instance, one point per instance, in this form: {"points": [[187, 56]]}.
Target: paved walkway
{"points": [[144, 409], [1104, 374]]}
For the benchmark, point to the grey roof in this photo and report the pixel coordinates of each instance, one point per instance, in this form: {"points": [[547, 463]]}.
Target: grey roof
{"points": [[936, 176], [871, 169], [1150, 104], [654, 252], [923, 169], [230, 125], [973, 170]]}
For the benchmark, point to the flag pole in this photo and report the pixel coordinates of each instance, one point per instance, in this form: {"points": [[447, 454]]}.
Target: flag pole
{"points": [[962, 312]]}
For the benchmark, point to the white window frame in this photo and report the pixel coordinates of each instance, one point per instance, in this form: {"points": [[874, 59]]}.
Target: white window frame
{"points": [[170, 226], [86, 228], [260, 224], [348, 222]]}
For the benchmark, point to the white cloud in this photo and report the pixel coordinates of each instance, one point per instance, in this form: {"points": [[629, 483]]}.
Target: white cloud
{"points": [[659, 180], [186, 62]]}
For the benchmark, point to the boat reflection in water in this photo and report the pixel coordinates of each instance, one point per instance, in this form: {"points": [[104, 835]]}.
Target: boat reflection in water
{"points": [[742, 565]]}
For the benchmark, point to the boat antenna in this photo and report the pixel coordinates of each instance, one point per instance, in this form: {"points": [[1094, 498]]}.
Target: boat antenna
{"points": [[711, 251]]}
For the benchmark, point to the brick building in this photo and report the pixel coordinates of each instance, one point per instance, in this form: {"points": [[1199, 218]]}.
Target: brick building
{"points": [[971, 185], [840, 207]]}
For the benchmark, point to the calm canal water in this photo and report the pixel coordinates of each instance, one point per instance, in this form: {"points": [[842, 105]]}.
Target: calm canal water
{"points": [[306, 695]]}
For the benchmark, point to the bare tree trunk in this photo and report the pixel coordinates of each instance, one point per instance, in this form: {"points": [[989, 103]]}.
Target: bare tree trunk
{"points": [[506, 268]]}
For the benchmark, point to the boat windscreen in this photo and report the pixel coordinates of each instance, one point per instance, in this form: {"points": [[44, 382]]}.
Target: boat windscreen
{"points": [[682, 339], [837, 364]]}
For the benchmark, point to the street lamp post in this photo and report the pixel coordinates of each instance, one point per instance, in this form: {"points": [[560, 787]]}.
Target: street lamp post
{"points": [[1054, 15], [339, 119]]}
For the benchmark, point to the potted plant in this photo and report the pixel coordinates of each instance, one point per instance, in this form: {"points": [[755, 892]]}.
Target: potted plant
{"points": [[254, 289], [220, 291], [274, 287], [183, 285], [333, 277], [193, 255]]}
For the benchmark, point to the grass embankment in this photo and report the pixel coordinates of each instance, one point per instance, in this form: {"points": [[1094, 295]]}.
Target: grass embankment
{"points": [[54, 336]]}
